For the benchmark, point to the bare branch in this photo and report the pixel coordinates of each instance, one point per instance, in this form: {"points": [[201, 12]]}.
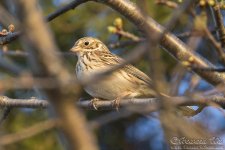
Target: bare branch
{"points": [[6, 112], [122, 44], [217, 45], [170, 4], [9, 37], [129, 35], [64, 9], [219, 23], [48, 64], [172, 44], [26, 103], [109, 104], [17, 53]]}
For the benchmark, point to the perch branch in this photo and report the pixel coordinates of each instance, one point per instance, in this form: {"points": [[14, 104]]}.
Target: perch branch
{"points": [[109, 104]]}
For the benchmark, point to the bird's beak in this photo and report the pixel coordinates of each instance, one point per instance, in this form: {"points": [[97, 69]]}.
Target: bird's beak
{"points": [[75, 49]]}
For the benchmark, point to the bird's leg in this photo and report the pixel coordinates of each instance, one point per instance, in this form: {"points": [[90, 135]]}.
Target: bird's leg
{"points": [[116, 102], [93, 102]]}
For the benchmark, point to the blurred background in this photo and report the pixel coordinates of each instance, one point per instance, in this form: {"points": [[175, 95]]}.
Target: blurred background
{"points": [[135, 132]]}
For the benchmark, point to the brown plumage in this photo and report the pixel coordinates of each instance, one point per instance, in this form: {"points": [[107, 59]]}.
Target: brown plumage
{"points": [[127, 82]]}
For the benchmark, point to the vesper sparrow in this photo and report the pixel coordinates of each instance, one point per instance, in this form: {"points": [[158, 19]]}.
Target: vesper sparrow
{"points": [[95, 57]]}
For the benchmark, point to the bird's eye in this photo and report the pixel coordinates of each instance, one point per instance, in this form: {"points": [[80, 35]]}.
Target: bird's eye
{"points": [[86, 43]]}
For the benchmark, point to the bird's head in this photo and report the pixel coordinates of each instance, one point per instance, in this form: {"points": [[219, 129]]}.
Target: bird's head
{"points": [[88, 44]]}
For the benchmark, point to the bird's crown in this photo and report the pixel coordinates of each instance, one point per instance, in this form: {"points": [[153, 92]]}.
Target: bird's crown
{"points": [[88, 44]]}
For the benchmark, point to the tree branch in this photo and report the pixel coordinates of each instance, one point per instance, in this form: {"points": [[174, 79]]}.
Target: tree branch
{"points": [[9, 37], [109, 104], [37, 39], [20, 53], [217, 45], [170, 4], [12, 36], [219, 23], [5, 113], [64, 9], [172, 44], [26, 103]]}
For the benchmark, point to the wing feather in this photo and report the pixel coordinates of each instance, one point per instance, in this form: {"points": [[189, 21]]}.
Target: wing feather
{"points": [[111, 59]]}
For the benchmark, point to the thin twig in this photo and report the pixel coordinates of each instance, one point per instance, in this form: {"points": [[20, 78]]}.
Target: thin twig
{"points": [[26, 103], [129, 35], [17, 53], [9, 37], [121, 44], [217, 45], [173, 45], [60, 11], [6, 112], [219, 23], [170, 4]]}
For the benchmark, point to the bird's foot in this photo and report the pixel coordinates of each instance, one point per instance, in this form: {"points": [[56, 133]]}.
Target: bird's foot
{"points": [[116, 103], [93, 102]]}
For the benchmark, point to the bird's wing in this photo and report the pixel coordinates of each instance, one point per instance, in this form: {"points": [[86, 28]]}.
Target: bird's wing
{"points": [[112, 59], [137, 73]]}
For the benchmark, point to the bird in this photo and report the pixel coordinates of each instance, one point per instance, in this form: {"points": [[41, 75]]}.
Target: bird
{"points": [[125, 83], [94, 57]]}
